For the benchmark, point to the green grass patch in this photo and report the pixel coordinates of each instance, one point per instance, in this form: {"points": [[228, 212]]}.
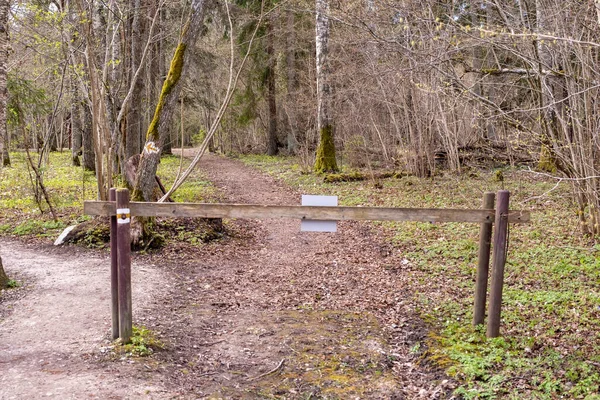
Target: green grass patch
{"points": [[551, 313], [143, 343], [12, 284], [68, 187]]}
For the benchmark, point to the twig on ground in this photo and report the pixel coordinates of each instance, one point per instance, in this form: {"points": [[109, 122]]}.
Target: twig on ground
{"points": [[270, 372], [211, 343]]}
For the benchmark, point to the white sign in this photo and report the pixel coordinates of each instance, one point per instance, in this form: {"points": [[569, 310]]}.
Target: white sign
{"points": [[313, 225]]}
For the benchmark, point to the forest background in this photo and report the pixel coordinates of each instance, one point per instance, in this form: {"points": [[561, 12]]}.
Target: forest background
{"points": [[416, 85], [423, 87]]}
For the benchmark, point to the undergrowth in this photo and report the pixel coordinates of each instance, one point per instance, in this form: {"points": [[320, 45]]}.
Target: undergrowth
{"points": [[143, 343], [550, 344], [69, 187]]}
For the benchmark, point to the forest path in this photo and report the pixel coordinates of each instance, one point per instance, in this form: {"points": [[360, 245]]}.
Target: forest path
{"points": [[53, 336], [329, 310], [267, 312]]}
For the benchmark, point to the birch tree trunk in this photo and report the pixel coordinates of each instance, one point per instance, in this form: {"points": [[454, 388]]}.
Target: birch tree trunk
{"points": [[145, 184], [325, 159], [4, 6]]}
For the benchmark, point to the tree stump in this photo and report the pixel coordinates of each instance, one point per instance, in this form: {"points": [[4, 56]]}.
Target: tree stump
{"points": [[3, 277]]}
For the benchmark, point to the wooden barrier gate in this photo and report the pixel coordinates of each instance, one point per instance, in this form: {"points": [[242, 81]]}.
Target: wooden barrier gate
{"points": [[120, 210]]}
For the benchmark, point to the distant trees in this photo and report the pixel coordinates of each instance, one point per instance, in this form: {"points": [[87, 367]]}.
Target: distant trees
{"points": [[418, 85]]}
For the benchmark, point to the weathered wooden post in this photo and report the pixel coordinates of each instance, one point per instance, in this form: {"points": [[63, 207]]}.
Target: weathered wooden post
{"points": [[483, 266], [114, 269], [500, 249], [124, 258]]}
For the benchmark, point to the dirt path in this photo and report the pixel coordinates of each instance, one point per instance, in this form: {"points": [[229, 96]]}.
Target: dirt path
{"points": [[329, 309], [267, 312], [50, 343]]}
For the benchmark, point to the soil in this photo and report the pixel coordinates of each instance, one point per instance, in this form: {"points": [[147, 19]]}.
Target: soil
{"points": [[265, 312]]}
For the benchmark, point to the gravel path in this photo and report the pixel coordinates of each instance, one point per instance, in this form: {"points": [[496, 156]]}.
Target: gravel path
{"points": [[50, 342]]}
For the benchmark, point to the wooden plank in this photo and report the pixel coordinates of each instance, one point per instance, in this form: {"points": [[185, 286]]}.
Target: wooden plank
{"points": [[499, 261], [483, 266], [124, 257], [201, 210], [114, 269]]}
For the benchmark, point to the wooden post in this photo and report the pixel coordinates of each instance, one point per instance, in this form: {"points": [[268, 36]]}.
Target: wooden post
{"points": [[500, 249], [124, 257], [483, 266], [114, 269]]}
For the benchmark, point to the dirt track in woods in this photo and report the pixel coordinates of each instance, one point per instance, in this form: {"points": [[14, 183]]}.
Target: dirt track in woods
{"points": [[266, 312]]}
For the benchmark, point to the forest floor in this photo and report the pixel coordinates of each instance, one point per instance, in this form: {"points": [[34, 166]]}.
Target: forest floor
{"points": [[266, 312]]}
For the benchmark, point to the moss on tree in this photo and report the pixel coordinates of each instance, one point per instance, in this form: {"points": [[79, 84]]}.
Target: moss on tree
{"points": [[172, 78], [325, 160], [547, 160]]}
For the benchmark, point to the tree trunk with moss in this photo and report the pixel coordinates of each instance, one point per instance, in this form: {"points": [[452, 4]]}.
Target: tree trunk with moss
{"points": [[325, 158], [158, 130]]}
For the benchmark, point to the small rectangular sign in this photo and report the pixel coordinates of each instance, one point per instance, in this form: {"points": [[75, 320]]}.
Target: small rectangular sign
{"points": [[313, 225]]}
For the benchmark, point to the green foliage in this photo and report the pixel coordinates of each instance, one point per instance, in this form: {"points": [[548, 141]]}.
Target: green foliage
{"points": [[196, 190], [198, 138], [246, 105], [12, 284], [68, 187], [38, 227], [143, 343]]}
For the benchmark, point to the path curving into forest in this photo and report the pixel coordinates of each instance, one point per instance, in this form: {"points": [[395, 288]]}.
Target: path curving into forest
{"points": [[267, 312]]}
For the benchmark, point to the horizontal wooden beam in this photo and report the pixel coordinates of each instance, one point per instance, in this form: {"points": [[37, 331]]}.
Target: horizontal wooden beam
{"points": [[202, 210]]}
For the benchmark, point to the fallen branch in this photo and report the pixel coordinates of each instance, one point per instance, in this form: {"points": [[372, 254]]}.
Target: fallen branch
{"points": [[277, 368]]}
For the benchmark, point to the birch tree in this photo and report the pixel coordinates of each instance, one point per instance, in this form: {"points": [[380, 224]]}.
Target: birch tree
{"points": [[325, 160]]}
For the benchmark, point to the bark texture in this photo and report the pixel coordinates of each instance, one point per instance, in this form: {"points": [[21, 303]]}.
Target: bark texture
{"points": [[134, 117], [159, 127], [325, 159], [272, 146], [292, 140]]}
